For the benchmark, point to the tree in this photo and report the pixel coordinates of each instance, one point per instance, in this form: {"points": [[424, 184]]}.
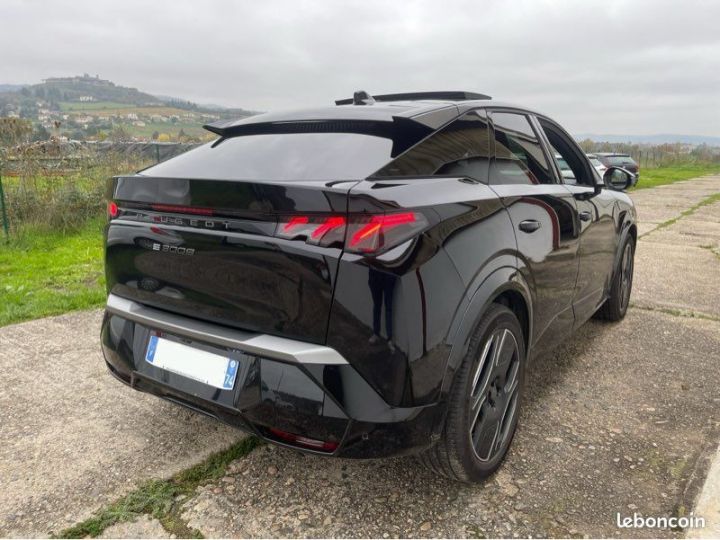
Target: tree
{"points": [[155, 135], [119, 134], [14, 131], [163, 137]]}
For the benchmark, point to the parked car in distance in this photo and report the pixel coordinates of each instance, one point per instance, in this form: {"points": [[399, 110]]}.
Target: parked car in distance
{"points": [[565, 170], [595, 162], [368, 279], [614, 159]]}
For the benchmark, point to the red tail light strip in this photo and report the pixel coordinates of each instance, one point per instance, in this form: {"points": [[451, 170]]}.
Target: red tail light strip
{"points": [[360, 233], [294, 222], [175, 209], [379, 224], [328, 225]]}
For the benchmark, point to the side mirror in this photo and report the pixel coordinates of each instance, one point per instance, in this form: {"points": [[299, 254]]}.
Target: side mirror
{"points": [[618, 178]]}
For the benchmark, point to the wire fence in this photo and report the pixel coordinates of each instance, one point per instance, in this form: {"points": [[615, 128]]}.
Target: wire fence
{"points": [[662, 155], [62, 184]]}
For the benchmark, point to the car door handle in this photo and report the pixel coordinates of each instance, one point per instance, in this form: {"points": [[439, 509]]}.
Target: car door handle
{"points": [[585, 215], [529, 225]]}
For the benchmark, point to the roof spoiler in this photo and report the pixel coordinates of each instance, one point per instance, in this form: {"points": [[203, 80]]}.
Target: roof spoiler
{"points": [[404, 132], [363, 98]]}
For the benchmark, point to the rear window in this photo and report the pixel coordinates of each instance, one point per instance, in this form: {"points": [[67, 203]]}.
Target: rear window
{"points": [[595, 162], [619, 160], [281, 157]]}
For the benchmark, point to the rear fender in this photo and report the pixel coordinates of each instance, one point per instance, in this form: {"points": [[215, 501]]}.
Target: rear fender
{"points": [[501, 279]]}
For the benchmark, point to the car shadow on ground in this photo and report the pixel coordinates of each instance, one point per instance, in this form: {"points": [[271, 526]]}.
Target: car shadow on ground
{"points": [[281, 492], [614, 420]]}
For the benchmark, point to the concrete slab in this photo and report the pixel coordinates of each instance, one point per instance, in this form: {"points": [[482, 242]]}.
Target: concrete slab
{"points": [[687, 232], [709, 213], [143, 527], [614, 422], [74, 438], [658, 212], [645, 227], [708, 504], [676, 277], [666, 202]]}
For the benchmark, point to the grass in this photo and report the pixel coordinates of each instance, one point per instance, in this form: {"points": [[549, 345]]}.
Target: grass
{"points": [[667, 175], [159, 498], [47, 273]]}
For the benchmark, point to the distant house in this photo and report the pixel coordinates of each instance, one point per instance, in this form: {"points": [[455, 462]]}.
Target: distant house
{"points": [[139, 123], [131, 116], [84, 79], [87, 98]]}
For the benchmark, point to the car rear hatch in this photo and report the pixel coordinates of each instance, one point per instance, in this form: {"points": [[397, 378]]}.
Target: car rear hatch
{"points": [[246, 231], [626, 162]]}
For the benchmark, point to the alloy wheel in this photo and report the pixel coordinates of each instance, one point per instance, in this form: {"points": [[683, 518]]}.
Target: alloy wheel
{"points": [[626, 276], [494, 394]]}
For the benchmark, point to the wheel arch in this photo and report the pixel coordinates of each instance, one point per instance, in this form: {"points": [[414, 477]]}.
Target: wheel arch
{"points": [[504, 285], [629, 228]]}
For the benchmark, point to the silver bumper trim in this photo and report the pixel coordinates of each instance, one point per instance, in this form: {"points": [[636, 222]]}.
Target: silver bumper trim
{"points": [[261, 344]]}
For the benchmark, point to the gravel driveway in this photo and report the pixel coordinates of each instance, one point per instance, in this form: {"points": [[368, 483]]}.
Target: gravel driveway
{"points": [[621, 419]]}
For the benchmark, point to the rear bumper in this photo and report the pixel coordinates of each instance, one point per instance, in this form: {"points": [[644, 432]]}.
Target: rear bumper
{"points": [[284, 386]]}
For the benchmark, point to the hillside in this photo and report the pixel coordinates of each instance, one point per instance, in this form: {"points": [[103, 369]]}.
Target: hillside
{"points": [[90, 108], [661, 138]]}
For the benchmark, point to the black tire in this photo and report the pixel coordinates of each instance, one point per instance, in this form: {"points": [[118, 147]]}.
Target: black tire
{"points": [[485, 396], [615, 307]]}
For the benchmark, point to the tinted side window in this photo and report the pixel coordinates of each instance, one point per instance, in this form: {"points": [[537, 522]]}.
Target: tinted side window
{"points": [[461, 148], [519, 157]]}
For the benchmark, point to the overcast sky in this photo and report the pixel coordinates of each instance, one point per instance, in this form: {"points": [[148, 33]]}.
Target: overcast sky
{"points": [[605, 66]]}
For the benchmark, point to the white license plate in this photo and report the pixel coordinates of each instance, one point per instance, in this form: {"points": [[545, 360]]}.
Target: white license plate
{"points": [[213, 369]]}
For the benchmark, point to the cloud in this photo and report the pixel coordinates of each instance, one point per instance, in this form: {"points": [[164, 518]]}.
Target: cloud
{"points": [[597, 66]]}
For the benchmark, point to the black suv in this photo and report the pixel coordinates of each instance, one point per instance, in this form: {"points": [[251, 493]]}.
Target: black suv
{"points": [[364, 280], [615, 159]]}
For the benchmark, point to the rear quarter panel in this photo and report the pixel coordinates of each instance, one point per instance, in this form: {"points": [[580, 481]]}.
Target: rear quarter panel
{"points": [[428, 284]]}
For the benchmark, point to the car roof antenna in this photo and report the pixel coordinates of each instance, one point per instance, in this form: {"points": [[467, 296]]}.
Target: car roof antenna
{"points": [[361, 97]]}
